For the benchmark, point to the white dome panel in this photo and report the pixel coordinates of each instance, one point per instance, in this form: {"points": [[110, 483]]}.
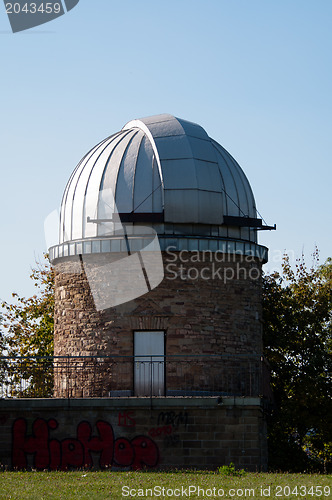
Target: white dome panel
{"points": [[162, 166]]}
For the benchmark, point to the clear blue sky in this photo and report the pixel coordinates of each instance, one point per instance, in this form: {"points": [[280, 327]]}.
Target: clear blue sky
{"points": [[256, 74]]}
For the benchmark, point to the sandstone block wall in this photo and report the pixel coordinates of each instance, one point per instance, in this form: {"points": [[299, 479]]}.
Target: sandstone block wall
{"points": [[216, 316], [125, 434]]}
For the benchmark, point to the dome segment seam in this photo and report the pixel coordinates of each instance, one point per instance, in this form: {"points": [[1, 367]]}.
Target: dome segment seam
{"points": [[139, 124]]}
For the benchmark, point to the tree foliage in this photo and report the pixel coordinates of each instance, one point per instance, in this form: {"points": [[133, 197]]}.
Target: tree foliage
{"points": [[27, 330], [297, 313]]}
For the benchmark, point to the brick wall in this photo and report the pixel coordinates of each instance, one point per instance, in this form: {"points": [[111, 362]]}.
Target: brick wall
{"points": [[202, 433], [199, 316]]}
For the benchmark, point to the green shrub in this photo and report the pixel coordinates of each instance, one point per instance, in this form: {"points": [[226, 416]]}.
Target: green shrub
{"points": [[229, 470]]}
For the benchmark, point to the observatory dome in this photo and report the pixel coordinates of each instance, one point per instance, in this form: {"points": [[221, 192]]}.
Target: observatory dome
{"points": [[166, 173]]}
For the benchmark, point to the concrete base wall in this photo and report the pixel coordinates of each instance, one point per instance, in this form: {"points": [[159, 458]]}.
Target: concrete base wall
{"points": [[133, 433]]}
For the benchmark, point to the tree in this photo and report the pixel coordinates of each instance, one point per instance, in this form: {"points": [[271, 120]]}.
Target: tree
{"points": [[28, 327], [297, 314]]}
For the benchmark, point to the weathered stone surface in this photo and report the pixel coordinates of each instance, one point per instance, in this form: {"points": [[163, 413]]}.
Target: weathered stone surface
{"points": [[217, 318], [132, 433], [220, 316]]}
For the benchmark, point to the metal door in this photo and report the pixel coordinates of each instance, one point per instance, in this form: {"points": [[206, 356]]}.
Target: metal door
{"points": [[149, 363]]}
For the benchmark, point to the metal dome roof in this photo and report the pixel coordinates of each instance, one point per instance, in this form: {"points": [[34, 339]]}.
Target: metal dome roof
{"points": [[156, 165], [165, 173]]}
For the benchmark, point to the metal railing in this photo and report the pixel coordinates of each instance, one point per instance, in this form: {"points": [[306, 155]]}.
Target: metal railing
{"points": [[132, 376]]}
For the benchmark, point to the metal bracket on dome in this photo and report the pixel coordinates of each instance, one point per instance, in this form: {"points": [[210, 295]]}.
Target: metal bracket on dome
{"points": [[267, 228], [99, 221], [131, 217], [253, 222]]}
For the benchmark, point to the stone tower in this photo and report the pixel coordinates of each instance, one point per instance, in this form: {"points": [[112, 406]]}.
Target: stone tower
{"points": [[158, 269]]}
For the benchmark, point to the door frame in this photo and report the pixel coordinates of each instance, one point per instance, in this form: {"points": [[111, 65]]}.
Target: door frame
{"points": [[164, 355]]}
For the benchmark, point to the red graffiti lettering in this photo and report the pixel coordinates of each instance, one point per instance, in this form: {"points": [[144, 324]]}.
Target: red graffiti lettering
{"points": [[146, 452], [125, 419], [55, 454], [160, 431], [37, 444], [123, 452], [103, 444], [73, 453]]}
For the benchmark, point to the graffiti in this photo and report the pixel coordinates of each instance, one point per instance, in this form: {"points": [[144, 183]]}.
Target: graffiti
{"points": [[125, 419], [71, 453], [172, 418], [160, 431], [170, 439], [171, 421]]}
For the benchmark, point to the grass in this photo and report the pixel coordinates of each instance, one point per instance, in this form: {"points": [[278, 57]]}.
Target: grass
{"points": [[108, 485]]}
